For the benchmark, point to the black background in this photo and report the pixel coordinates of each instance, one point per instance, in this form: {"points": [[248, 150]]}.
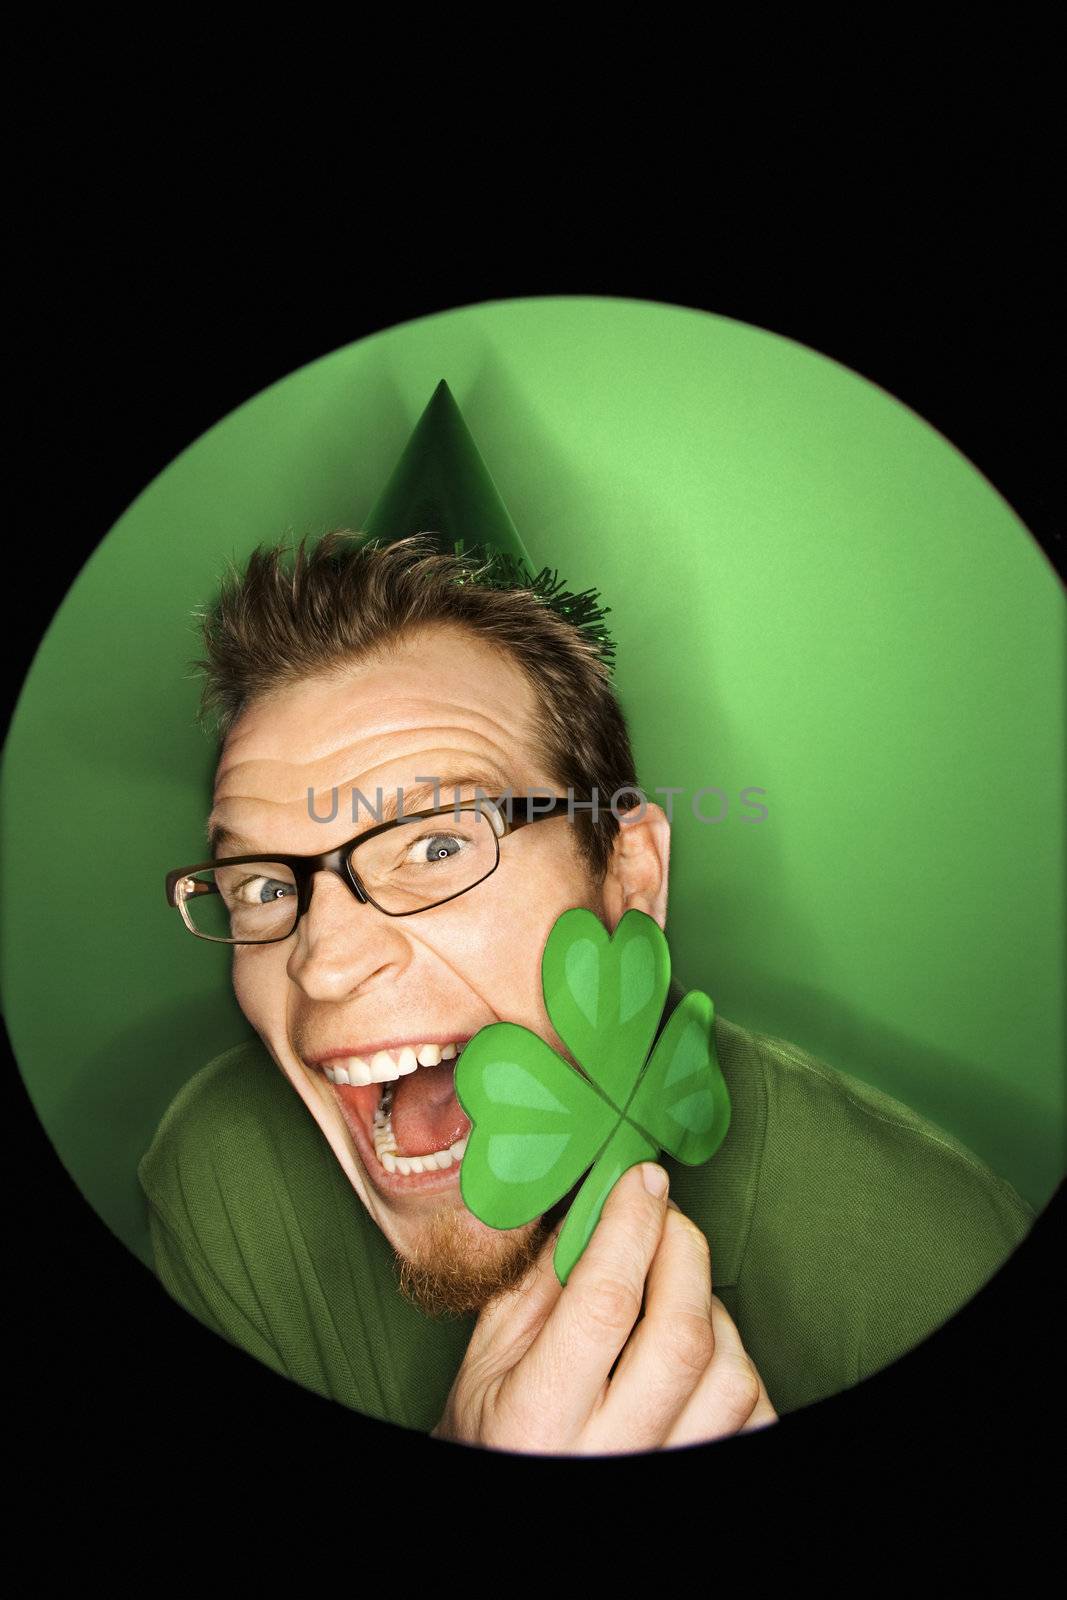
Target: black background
{"points": [[147, 322]]}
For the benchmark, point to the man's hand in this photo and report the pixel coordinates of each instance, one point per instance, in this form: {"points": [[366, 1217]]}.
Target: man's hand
{"points": [[538, 1373]]}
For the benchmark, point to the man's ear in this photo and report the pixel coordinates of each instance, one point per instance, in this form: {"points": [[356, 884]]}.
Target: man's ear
{"points": [[636, 879]]}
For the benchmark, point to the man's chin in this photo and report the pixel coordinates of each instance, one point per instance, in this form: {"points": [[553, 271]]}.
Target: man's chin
{"points": [[455, 1265]]}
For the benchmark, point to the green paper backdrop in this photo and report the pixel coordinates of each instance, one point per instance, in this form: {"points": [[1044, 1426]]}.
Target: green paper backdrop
{"points": [[813, 593]]}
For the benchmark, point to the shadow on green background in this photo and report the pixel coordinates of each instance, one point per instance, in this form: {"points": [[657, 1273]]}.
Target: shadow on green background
{"points": [[812, 593]]}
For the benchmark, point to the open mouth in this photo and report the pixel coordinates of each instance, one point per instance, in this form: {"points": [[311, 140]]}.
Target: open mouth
{"points": [[402, 1111]]}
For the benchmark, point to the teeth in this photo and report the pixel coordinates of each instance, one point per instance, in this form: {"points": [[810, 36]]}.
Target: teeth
{"points": [[384, 1067], [391, 1159]]}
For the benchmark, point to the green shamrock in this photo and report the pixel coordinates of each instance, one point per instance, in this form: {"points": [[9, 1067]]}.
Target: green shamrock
{"points": [[537, 1124]]}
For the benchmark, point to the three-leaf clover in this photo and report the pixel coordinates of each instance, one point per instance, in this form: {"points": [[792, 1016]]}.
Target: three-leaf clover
{"points": [[537, 1124]]}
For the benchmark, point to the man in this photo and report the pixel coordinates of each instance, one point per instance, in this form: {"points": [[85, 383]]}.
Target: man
{"points": [[831, 1232]]}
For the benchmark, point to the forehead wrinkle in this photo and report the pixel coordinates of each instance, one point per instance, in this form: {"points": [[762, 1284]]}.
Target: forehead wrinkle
{"points": [[447, 764], [294, 779], [297, 776], [345, 741], [467, 721], [487, 687]]}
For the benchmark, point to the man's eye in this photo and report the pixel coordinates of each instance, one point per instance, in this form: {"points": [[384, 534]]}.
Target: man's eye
{"points": [[262, 891], [433, 847]]}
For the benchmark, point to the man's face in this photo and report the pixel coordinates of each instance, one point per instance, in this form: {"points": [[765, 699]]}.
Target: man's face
{"points": [[351, 981]]}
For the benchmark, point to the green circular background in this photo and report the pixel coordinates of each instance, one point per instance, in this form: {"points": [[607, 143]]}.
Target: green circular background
{"points": [[812, 593]]}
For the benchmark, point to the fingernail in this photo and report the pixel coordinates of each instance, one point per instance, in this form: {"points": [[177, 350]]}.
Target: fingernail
{"points": [[655, 1177]]}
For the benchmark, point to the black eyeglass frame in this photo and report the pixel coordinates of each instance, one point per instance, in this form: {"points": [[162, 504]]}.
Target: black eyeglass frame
{"points": [[339, 861]]}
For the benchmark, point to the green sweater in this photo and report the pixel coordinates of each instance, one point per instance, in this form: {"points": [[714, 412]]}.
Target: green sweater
{"points": [[843, 1230]]}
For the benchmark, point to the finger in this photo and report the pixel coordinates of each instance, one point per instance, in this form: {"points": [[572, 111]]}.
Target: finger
{"points": [[572, 1355], [764, 1413], [731, 1397], [671, 1347]]}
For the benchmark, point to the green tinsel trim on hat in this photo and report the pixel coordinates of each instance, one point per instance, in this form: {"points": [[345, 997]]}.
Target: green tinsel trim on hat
{"points": [[499, 569]]}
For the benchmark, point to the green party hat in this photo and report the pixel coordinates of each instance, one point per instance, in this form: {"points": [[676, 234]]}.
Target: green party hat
{"points": [[441, 486]]}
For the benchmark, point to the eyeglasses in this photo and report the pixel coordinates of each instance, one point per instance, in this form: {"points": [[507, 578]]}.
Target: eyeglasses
{"points": [[405, 867]]}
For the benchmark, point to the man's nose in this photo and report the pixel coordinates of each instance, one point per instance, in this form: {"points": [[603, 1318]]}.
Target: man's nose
{"points": [[340, 944]]}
